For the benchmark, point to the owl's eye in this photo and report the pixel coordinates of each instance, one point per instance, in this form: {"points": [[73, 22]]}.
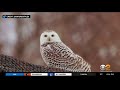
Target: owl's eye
{"points": [[45, 35], [52, 35]]}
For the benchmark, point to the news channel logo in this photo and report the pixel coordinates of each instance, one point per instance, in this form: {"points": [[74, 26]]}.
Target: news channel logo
{"points": [[4, 16], [105, 67]]}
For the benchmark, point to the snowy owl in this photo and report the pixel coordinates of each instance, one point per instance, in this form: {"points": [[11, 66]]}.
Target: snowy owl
{"points": [[56, 54]]}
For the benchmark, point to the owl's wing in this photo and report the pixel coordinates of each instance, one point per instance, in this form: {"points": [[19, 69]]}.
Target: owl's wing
{"points": [[84, 66], [65, 54]]}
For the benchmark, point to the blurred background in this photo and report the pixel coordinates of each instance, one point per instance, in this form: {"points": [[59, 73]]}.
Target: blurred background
{"points": [[93, 35]]}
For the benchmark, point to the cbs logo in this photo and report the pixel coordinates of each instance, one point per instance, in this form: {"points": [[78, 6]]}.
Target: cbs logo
{"points": [[105, 67]]}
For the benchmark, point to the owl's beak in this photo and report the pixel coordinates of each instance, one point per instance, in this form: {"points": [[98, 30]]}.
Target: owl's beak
{"points": [[49, 39]]}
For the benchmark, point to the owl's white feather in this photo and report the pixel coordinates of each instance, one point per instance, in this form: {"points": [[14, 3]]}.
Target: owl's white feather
{"points": [[56, 54]]}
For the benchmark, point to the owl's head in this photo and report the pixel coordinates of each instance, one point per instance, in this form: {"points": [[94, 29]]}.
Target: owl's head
{"points": [[49, 36]]}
